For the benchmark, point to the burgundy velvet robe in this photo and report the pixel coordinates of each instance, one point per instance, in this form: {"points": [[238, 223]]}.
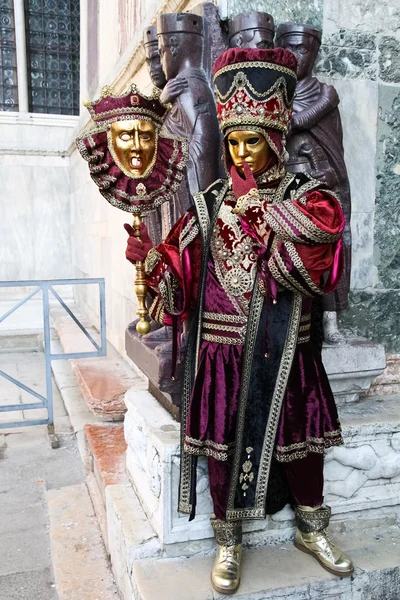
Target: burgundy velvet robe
{"points": [[284, 248]]}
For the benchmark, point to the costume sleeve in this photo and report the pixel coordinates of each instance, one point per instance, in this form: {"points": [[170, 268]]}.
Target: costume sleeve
{"points": [[307, 251], [173, 269], [301, 240]]}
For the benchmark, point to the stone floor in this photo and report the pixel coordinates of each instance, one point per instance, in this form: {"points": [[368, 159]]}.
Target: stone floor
{"points": [[50, 541]]}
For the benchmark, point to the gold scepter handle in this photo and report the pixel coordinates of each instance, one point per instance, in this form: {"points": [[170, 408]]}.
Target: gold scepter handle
{"points": [[143, 326]]}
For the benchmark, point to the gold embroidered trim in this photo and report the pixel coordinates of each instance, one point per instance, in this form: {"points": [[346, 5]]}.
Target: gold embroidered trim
{"points": [[298, 263], [219, 339], [247, 474], [242, 202], [156, 311], [306, 226], [305, 327], [303, 339], [218, 327], [227, 533], [294, 284], [242, 82], [152, 259], [188, 234], [305, 318], [281, 227], [310, 521], [312, 444], [211, 443], [278, 276], [208, 448], [257, 64], [225, 317], [309, 438]]}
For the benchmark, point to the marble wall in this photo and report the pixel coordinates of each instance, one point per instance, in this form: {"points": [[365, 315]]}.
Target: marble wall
{"points": [[35, 205], [360, 57]]}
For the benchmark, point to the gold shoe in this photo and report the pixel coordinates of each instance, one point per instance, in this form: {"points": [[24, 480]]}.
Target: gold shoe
{"points": [[320, 546], [225, 574]]}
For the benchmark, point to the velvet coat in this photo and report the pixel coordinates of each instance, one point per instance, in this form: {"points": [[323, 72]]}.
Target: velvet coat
{"points": [[254, 385]]}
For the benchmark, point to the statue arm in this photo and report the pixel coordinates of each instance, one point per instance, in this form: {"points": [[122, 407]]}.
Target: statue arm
{"points": [[327, 101]]}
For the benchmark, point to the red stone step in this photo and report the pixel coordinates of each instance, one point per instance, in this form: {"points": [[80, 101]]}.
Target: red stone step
{"points": [[105, 465]]}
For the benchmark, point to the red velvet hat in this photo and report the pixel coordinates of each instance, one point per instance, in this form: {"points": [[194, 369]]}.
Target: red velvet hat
{"points": [[255, 87], [133, 105]]}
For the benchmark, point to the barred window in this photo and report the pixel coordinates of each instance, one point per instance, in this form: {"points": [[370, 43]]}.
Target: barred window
{"points": [[8, 58], [52, 37], [42, 39]]}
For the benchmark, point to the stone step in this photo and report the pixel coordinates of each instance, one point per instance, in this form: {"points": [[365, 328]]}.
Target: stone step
{"points": [[81, 568], [103, 381], [105, 449], [284, 573], [362, 478], [20, 341]]}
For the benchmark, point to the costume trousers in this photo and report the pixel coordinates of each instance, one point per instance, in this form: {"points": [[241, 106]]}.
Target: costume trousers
{"points": [[305, 477]]}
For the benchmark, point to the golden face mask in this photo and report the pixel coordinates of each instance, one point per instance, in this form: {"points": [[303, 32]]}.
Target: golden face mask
{"points": [[250, 147], [133, 145]]}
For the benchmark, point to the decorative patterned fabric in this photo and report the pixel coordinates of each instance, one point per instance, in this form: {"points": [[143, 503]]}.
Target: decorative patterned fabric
{"points": [[255, 87]]}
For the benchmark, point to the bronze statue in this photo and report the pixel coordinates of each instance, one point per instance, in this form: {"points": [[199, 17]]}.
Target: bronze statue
{"points": [[153, 60], [153, 219], [315, 146], [193, 112], [252, 30]]}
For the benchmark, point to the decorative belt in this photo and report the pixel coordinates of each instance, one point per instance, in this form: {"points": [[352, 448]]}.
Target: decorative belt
{"points": [[223, 328], [304, 329]]}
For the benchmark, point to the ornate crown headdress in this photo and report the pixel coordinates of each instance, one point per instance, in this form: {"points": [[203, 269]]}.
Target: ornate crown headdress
{"points": [[132, 105], [255, 87]]}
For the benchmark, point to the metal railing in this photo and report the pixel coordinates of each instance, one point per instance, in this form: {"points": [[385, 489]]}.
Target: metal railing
{"points": [[47, 288]]}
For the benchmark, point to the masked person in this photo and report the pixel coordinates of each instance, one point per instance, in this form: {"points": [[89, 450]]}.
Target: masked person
{"points": [[247, 262]]}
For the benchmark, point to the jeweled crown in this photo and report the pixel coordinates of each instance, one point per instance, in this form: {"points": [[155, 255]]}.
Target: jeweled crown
{"points": [[132, 105], [255, 87]]}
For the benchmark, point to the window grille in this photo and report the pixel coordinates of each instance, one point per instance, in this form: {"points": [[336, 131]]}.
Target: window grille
{"points": [[52, 39], [8, 58]]}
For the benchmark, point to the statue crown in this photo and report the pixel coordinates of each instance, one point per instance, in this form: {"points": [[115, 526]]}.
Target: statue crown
{"points": [[131, 105]]}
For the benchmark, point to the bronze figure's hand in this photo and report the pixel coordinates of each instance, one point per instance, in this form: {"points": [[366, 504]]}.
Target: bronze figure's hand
{"points": [[173, 89], [137, 247]]}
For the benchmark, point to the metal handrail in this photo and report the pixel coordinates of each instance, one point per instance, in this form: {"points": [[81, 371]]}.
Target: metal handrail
{"points": [[46, 287]]}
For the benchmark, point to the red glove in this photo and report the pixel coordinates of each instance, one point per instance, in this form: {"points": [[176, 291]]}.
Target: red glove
{"points": [[137, 249], [241, 186]]}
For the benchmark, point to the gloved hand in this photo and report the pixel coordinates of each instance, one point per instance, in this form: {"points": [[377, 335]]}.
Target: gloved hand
{"points": [[137, 249], [241, 186]]}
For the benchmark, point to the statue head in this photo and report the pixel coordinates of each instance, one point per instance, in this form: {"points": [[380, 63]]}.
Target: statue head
{"points": [[180, 41], [153, 59], [304, 41], [252, 30]]}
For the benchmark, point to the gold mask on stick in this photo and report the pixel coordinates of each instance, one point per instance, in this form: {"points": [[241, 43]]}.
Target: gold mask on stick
{"points": [[133, 144]]}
